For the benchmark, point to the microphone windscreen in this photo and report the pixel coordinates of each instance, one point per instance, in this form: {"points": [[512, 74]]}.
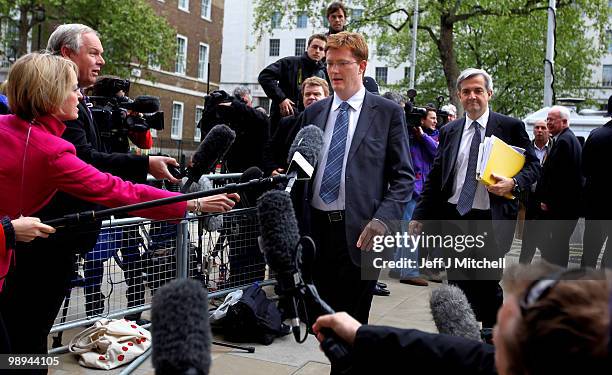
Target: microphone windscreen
{"points": [[145, 104], [253, 173], [308, 142], [279, 230], [214, 146], [181, 332], [452, 313]]}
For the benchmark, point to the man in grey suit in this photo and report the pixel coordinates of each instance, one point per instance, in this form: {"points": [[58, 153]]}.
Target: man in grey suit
{"points": [[362, 181], [464, 206]]}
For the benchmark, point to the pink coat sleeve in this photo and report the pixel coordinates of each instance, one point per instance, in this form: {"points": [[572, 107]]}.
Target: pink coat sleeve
{"points": [[73, 176]]}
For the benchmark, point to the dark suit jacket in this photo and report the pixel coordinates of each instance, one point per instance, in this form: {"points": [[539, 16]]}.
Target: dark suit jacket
{"points": [[439, 186], [596, 154], [560, 187], [379, 178]]}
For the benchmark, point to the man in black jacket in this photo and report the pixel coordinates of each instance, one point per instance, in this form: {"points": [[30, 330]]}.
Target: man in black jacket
{"points": [[560, 189], [281, 80]]}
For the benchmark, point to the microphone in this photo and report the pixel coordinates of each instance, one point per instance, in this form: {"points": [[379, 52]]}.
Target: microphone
{"points": [[452, 313], [251, 194], [304, 154], [181, 332], [214, 147]]}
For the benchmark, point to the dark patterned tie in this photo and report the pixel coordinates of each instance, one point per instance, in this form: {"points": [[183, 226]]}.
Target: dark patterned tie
{"points": [[466, 199], [330, 183]]}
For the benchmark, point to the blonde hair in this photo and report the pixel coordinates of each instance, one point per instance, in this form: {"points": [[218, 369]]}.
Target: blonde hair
{"points": [[353, 41], [316, 81], [38, 84]]}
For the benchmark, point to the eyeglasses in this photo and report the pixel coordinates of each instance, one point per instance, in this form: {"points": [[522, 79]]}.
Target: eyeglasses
{"points": [[339, 64], [541, 287]]}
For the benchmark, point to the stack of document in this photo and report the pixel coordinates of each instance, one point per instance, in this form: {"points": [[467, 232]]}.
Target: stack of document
{"points": [[497, 157]]}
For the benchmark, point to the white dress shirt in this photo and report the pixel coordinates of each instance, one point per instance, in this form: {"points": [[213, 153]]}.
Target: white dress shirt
{"points": [[355, 103], [481, 198]]}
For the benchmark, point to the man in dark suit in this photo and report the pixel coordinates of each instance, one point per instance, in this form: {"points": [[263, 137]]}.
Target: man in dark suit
{"points": [[362, 181], [560, 189], [598, 201], [453, 194]]}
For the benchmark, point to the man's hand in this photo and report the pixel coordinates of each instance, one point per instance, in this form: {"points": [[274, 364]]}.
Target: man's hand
{"points": [[158, 167], [28, 228], [503, 185], [344, 325], [366, 238], [219, 202], [286, 107], [277, 171], [415, 228]]}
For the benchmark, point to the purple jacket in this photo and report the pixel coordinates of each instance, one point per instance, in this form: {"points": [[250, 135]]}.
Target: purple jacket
{"points": [[423, 153]]}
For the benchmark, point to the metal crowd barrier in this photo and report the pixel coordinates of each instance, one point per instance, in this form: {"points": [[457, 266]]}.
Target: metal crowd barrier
{"points": [[134, 257]]}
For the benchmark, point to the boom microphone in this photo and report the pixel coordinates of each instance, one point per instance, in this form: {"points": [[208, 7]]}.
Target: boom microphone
{"points": [[304, 154], [181, 332], [452, 313], [213, 148]]}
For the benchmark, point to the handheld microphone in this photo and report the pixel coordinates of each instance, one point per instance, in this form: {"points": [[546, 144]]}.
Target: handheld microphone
{"points": [[304, 154], [280, 241], [452, 313], [250, 195], [213, 148], [181, 332]]}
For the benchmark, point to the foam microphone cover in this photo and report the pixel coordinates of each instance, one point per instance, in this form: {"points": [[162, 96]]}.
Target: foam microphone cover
{"points": [[214, 146], [253, 173], [279, 230], [181, 332], [308, 142], [452, 313], [145, 104]]}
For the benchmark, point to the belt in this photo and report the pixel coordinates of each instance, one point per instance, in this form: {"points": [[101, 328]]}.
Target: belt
{"points": [[331, 216]]}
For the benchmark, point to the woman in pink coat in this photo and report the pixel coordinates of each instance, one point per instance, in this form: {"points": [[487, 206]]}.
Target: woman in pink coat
{"points": [[35, 163]]}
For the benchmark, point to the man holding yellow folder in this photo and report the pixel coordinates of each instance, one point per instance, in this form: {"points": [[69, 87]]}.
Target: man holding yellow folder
{"points": [[455, 198]]}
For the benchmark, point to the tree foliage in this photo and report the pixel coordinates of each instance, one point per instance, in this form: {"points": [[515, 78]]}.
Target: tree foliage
{"points": [[130, 30], [505, 37]]}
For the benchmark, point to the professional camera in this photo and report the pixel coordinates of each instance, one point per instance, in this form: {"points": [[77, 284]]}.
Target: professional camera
{"points": [[213, 115], [116, 114], [414, 114]]}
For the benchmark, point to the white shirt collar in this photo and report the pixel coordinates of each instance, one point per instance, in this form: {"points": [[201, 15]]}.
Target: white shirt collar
{"points": [[355, 101], [482, 120]]}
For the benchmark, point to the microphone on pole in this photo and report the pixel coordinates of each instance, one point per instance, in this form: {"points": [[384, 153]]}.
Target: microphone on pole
{"points": [[181, 332], [213, 148], [452, 313], [250, 195], [304, 154]]}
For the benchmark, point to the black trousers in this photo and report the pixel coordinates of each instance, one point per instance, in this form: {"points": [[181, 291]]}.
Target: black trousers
{"points": [[558, 233], [595, 234], [534, 231], [337, 278], [33, 293]]}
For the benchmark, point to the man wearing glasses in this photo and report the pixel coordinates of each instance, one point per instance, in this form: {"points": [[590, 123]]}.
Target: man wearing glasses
{"points": [[281, 80], [361, 183]]}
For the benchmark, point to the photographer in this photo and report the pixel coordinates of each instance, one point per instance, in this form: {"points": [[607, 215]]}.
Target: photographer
{"points": [[252, 127]]}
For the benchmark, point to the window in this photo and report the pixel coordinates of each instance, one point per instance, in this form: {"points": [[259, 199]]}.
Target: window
{"points": [[176, 130], [152, 63], [203, 62], [276, 20], [381, 76], [265, 103], [300, 46], [356, 14], [302, 21], [181, 55], [197, 133], [183, 5], [206, 9], [609, 35], [274, 47], [607, 76]]}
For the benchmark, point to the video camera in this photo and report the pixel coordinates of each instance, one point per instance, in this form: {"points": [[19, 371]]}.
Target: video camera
{"points": [[414, 114], [212, 115], [117, 114]]}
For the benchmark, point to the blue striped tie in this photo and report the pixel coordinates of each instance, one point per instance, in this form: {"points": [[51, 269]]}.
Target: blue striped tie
{"points": [[466, 199], [330, 183]]}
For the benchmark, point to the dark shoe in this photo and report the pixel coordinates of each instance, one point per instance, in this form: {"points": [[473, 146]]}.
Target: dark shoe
{"points": [[417, 281], [382, 285], [378, 291]]}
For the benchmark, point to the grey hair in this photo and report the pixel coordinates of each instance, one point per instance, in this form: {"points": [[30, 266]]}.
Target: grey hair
{"points": [[241, 91], [450, 108], [564, 113], [471, 72], [396, 97], [69, 35]]}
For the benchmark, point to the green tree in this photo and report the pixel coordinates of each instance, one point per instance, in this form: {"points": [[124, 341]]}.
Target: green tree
{"points": [[130, 30], [506, 37]]}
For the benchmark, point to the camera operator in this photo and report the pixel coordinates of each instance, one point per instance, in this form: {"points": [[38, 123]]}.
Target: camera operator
{"points": [[252, 127]]}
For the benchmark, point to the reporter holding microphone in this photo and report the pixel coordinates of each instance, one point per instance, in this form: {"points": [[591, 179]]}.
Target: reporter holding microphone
{"points": [[36, 163]]}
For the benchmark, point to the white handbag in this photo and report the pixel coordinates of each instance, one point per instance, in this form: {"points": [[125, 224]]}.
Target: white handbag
{"points": [[110, 343]]}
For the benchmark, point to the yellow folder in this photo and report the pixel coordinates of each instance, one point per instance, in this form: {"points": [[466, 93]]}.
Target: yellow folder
{"points": [[497, 157]]}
